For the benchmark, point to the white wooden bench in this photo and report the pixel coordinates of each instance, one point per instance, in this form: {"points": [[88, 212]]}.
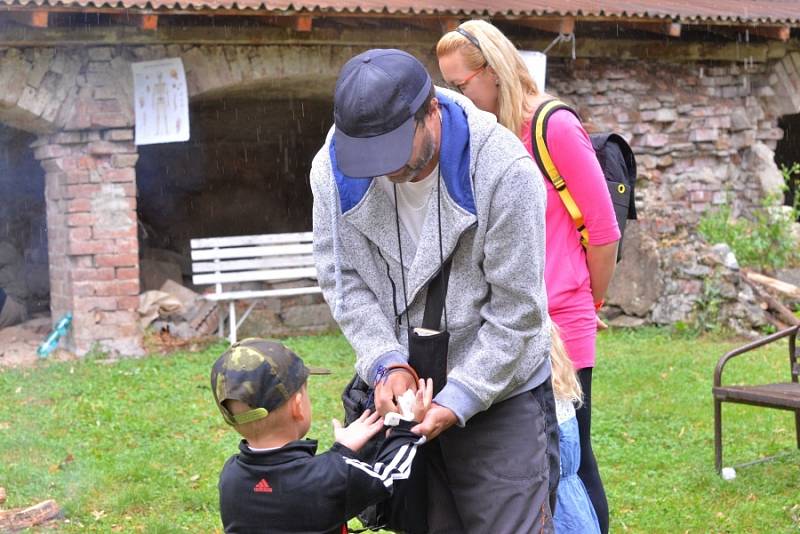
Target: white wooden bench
{"points": [[223, 261]]}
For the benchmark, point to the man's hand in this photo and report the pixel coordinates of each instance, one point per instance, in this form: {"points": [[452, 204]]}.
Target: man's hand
{"points": [[437, 420], [422, 401], [356, 434], [394, 386]]}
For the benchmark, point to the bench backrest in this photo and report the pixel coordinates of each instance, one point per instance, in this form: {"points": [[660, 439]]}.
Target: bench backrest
{"points": [[253, 258]]}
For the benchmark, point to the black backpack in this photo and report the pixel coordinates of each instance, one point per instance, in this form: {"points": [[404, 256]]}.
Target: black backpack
{"points": [[616, 160]]}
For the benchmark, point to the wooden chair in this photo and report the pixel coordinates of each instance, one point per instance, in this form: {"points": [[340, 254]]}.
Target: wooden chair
{"points": [[780, 396], [223, 261]]}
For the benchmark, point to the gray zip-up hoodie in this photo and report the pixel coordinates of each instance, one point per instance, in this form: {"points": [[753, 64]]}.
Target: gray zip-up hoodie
{"points": [[492, 224]]}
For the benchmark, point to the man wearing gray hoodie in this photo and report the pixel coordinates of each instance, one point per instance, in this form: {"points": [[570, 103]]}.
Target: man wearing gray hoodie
{"points": [[411, 176]]}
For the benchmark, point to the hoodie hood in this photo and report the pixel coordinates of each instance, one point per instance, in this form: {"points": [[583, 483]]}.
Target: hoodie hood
{"points": [[464, 130]]}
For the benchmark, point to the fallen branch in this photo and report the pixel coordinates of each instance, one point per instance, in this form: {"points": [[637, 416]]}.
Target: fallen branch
{"points": [[785, 288], [768, 303], [21, 518], [783, 313]]}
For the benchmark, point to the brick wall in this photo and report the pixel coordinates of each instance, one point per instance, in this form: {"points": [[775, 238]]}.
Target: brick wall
{"points": [[90, 185], [703, 134]]}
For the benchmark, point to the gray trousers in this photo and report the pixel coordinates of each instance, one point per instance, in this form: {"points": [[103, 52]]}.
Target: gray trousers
{"points": [[497, 473], [12, 313]]}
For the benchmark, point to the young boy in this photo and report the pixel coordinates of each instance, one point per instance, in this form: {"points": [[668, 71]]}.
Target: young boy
{"points": [[276, 483]]}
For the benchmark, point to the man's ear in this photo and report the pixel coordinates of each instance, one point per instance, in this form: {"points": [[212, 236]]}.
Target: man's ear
{"points": [[434, 105]]}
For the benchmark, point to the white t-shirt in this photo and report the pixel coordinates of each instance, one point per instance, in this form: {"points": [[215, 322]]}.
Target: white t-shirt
{"points": [[412, 201]]}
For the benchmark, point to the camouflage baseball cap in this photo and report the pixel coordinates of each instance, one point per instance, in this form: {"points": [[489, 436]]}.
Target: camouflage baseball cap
{"points": [[262, 374]]}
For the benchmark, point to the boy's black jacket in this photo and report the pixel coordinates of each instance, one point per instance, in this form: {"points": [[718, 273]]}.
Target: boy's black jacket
{"points": [[293, 491]]}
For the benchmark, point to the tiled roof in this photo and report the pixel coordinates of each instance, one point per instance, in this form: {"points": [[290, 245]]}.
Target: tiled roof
{"points": [[698, 11]]}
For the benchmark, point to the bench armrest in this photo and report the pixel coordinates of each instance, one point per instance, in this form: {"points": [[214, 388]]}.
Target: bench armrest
{"points": [[788, 332]]}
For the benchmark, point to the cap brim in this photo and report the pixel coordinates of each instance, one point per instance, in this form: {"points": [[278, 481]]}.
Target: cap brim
{"points": [[318, 371], [367, 157]]}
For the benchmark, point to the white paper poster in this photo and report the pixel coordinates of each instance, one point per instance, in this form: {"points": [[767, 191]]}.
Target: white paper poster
{"points": [[537, 66], [161, 101]]}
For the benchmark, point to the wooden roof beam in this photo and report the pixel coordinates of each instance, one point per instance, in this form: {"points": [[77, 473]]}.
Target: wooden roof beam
{"points": [[669, 28], [33, 19], [146, 22], [776, 33], [298, 23], [557, 25], [435, 24]]}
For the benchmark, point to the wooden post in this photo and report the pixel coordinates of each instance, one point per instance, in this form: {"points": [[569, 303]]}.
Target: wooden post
{"points": [[148, 22], [303, 23]]}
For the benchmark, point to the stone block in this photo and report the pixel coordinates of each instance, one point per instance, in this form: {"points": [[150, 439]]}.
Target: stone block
{"points": [[101, 231], [100, 53], [125, 160], [34, 101], [81, 191], [649, 104], [79, 233], [665, 115], [739, 120], [654, 140], [117, 119], [733, 91], [50, 152], [102, 148], [637, 283], [700, 135], [93, 304], [41, 64], [122, 259], [125, 134], [775, 134], [67, 138], [80, 248], [719, 122], [105, 93]]}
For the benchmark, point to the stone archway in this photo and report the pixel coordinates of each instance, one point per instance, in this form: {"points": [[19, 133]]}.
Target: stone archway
{"points": [[75, 100]]}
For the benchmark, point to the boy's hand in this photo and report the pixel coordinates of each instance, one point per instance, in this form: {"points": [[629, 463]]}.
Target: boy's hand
{"points": [[422, 402], [356, 434]]}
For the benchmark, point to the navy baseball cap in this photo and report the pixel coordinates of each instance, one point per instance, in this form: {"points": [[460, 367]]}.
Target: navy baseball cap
{"points": [[377, 94]]}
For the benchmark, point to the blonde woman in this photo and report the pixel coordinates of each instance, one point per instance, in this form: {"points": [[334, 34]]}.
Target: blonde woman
{"points": [[480, 62]]}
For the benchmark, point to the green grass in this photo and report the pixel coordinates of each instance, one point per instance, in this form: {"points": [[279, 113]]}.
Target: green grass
{"points": [[137, 445]]}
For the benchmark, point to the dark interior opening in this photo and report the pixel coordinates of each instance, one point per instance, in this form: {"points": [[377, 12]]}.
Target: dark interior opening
{"points": [[23, 222], [244, 171], [787, 156]]}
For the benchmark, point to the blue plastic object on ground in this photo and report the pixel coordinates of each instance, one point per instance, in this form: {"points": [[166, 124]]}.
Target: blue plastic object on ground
{"points": [[52, 340]]}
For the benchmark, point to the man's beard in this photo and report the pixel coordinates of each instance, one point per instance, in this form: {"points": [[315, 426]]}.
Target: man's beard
{"points": [[411, 170]]}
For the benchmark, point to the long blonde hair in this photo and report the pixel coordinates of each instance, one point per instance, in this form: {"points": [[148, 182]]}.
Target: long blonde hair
{"points": [[565, 380], [500, 54]]}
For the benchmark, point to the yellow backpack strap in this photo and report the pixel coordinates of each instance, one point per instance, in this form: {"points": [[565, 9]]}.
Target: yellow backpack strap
{"points": [[548, 168]]}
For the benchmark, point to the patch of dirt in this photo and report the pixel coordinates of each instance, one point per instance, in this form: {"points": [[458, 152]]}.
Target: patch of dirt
{"points": [[18, 343]]}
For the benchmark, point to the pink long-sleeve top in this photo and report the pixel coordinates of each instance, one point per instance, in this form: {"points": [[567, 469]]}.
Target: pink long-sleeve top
{"points": [[566, 273]]}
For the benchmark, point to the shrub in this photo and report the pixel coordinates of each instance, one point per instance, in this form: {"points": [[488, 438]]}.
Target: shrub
{"points": [[764, 242]]}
